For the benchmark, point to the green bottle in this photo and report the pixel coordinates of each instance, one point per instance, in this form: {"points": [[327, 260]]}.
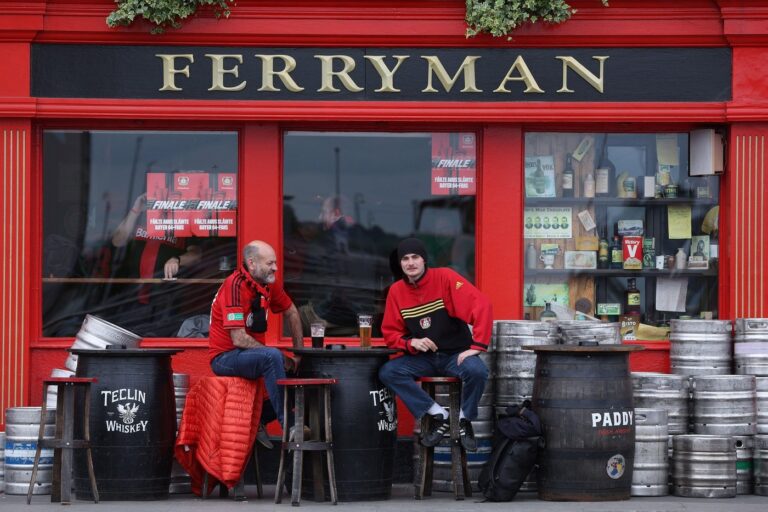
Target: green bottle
{"points": [[548, 315]]}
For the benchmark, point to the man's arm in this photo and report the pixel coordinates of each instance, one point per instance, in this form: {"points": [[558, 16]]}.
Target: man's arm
{"points": [[294, 325], [242, 339]]}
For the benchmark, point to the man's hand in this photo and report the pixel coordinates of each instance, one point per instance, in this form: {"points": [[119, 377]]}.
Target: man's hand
{"points": [[171, 267], [466, 354], [290, 364], [423, 345]]}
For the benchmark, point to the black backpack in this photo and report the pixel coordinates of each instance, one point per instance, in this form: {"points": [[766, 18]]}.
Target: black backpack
{"points": [[516, 442]]}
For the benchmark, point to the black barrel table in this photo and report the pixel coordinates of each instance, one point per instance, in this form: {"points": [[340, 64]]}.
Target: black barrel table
{"points": [[364, 418], [583, 396], [132, 423]]}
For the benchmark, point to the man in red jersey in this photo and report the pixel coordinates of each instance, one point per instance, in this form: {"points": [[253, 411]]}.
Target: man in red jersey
{"points": [[427, 316], [239, 320]]}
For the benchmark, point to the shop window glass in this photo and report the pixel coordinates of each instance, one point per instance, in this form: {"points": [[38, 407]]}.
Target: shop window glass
{"points": [[349, 198], [120, 208], [620, 227]]}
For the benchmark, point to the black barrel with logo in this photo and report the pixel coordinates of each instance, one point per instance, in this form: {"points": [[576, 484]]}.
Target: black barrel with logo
{"points": [[583, 396], [364, 416], [132, 423]]}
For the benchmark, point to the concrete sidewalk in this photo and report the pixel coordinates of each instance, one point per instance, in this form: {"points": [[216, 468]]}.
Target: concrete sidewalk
{"points": [[402, 501]]}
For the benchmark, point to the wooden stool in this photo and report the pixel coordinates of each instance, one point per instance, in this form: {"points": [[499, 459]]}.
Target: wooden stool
{"points": [[63, 442], [298, 444], [239, 489], [458, 453]]}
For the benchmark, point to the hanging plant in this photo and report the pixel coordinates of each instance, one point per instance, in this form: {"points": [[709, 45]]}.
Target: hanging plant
{"points": [[163, 13], [500, 17]]}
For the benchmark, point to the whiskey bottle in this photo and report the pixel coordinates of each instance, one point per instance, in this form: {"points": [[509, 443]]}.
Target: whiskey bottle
{"points": [[568, 176], [603, 253], [632, 298], [604, 174], [617, 253], [548, 315]]}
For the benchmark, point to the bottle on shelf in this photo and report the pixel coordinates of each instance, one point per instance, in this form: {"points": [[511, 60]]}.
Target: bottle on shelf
{"points": [[603, 253], [617, 253], [531, 256], [604, 174], [548, 315], [568, 176], [589, 186], [714, 248], [632, 303]]}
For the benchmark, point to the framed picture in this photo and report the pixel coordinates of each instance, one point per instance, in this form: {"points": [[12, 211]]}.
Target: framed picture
{"points": [[699, 258], [548, 222], [580, 260], [540, 176], [537, 294]]}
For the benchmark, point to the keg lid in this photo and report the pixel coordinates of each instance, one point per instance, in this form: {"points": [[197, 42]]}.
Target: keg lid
{"points": [[138, 352], [581, 348]]}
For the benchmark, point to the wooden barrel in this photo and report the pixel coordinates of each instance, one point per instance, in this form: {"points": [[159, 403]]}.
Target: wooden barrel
{"points": [[583, 396]]}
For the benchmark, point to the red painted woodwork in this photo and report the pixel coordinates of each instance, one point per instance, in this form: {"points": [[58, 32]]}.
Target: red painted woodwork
{"points": [[654, 357], [739, 24]]}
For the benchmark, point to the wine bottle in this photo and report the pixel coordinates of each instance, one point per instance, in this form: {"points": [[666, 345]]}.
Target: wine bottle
{"points": [[603, 256], [568, 176], [632, 301], [617, 253]]}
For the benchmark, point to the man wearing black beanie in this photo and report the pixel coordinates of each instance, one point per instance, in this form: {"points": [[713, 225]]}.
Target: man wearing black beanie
{"points": [[427, 316]]}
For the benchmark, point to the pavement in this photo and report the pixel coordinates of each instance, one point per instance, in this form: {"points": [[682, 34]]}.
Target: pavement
{"points": [[401, 501]]}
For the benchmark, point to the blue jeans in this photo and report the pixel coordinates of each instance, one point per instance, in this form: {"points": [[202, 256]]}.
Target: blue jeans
{"points": [[399, 375], [252, 363]]}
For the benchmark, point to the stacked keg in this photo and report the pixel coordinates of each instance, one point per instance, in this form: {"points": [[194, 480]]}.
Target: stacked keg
{"points": [[750, 347], [700, 347], [650, 470], [579, 332], [761, 464], [515, 367], [22, 426], [2, 462], [97, 334], [704, 466], [181, 482]]}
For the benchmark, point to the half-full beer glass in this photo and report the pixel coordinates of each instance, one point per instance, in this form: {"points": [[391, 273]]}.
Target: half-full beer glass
{"points": [[365, 322]]}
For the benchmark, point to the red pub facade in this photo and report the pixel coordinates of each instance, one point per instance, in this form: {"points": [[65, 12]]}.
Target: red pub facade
{"points": [[299, 121]]}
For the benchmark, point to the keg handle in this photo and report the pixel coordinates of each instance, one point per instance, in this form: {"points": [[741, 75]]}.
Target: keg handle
{"points": [[756, 324], [640, 417], [117, 347]]}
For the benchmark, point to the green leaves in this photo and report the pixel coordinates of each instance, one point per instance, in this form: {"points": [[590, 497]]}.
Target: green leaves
{"points": [[163, 13], [501, 17]]}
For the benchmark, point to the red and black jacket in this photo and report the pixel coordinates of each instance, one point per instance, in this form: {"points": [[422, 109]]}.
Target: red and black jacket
{"points": [[439, 306]]}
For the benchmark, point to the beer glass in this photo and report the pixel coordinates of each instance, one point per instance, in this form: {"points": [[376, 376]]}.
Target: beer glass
{"points": [[317, 330], [365, 322]]}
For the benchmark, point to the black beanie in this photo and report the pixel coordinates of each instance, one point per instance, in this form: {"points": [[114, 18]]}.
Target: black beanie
{"points": [[412, 246]]}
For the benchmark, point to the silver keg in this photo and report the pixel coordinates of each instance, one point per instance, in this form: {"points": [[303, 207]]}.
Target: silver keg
{"points": [[724, 405], [650, 471], [515, 367], [51, 396], [664, 391], [761, 401], [750, 346], [700, 347], [22, 426], [745, 446], [760, 463], [181, 482], [97, 334], [2, 462], [704, 466], [579, 331]]}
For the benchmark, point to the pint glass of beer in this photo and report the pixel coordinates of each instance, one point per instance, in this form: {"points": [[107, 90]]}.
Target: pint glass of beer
{"points": [[317, 330], [366, 323]]}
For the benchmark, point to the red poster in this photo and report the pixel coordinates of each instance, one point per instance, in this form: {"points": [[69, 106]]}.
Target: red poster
{"points": [[453, 164]]}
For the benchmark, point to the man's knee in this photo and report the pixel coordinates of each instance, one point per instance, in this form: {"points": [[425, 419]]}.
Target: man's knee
{"points": [[385, 373], [476, 369], [275, 355]]}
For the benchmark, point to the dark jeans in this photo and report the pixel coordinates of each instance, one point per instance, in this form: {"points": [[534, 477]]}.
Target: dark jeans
{"points": [[400, 376], [253, 363]]}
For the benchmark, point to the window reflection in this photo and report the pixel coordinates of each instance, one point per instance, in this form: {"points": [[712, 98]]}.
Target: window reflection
{"points": [[349, 198], [107, 241]]}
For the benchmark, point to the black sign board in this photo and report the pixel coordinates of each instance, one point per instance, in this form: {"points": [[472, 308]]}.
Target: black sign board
{"points": [[382, 74]]}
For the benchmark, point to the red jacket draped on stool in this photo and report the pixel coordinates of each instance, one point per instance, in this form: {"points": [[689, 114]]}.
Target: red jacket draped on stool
{"points": [[218, 428]]}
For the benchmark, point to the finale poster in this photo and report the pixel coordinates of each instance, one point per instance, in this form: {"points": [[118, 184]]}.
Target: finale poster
{"points": [[454, 164]]}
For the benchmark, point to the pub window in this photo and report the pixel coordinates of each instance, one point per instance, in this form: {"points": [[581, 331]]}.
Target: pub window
{"points": [[349, 198], [623, 227], [120, 209]]}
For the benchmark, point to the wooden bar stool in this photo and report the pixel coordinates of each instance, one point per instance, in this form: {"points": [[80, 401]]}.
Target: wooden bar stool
{"points": [[63, 442], [298, 444], [458, 453]]}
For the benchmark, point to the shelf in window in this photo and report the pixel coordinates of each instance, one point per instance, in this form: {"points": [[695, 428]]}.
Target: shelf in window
{"points": [[619, 272], [617, 201], [126, 280]]}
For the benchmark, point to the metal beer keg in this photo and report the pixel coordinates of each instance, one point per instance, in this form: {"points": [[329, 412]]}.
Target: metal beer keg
{"points": [[724, 405], [704, 466], [700, 347], [651, 470]]}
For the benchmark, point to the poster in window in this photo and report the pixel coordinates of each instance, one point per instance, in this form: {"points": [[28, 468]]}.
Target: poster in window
{"points": [[453, 164]]}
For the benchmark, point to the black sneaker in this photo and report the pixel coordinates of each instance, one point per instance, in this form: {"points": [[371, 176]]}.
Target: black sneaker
{"points": [[263, 438], [440, 427], [467, 435]]}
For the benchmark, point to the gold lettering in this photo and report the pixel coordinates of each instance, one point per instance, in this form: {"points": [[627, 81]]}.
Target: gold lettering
{"points": [[467, 68], [218, 71], [525, 76], [583, 72], [328, 73], [268, 73], [387, 75], [170, 71]]}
